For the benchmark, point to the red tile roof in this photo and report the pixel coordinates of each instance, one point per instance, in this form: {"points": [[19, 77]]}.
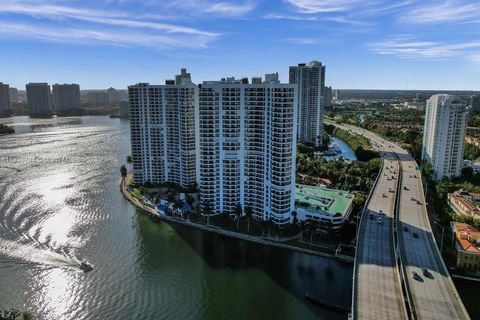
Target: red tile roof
{"points": [[464, 232]]}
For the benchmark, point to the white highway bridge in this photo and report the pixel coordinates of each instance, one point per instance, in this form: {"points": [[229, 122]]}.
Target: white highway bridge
{"points": [[399, 272]]}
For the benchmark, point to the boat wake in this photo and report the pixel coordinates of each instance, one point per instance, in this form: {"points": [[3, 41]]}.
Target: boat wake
{"points": [[34, 255]]}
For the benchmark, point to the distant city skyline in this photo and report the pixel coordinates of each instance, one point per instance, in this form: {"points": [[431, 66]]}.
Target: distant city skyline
{"points": [[382, 44]]}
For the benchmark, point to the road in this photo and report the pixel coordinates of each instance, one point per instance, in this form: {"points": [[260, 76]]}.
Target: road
{"points": [[431, 296], [377, 285], [434, 296]]}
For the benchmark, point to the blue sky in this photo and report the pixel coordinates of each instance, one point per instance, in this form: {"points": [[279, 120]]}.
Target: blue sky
{"points": [[383, 44]]}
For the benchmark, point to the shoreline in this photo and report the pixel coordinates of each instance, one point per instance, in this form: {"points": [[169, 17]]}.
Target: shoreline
{"points": [[231, 234]]}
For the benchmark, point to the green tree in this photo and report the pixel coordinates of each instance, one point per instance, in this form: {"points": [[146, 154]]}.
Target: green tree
{"points": [[238, 212], [294, 217], [207, 210], [129, 159], [427, 168], [14, 314], [248, 215], [359, 199], [123, 171]]}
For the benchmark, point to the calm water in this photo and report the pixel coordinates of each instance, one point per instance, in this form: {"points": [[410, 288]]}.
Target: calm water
{"points": [[59, 202], [346, 152]]}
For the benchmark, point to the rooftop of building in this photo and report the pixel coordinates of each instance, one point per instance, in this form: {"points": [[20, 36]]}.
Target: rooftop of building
{"points": [[468, 237], [469, 199], [269, 78], [321, 198]]}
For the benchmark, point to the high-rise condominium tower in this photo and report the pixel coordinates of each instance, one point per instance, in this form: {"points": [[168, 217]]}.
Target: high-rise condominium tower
{"points": [[13, 95], [444, 134], [5, 103], [39, 100], [310, 80], [474, 103], [247, 147], [163, 131], [66, 97]]}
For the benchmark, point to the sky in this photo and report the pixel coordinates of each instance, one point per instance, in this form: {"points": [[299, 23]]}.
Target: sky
{"points": [[365, 44]]}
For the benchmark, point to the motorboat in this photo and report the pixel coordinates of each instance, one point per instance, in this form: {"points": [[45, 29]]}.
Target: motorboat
{"points": [[86, 266]]}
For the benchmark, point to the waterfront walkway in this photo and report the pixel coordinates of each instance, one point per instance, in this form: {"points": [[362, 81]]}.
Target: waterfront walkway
{"points": [[270, 241]]}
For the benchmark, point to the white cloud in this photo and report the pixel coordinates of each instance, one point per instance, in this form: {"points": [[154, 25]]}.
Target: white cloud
{"points": [[406, 47], [474, 58], [274, 16], [98, 36], [347, 20], [221, 9], [446, 11], [337, 19], [318, 6], [108, 27], [111, 18], [304, 41], [230, 9]]}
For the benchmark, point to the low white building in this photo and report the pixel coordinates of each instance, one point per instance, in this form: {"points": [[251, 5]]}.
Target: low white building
{"points": [[328, 206]]}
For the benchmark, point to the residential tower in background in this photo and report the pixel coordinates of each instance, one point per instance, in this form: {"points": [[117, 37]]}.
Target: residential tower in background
{"points": [[164, 127], [39, 99], [5, 102], [310, 79], [66, 97], [444, 134]]}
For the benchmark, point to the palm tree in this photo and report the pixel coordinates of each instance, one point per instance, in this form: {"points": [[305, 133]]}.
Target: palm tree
{"points": [[123, 171], [248, 215], [207, 210], [238, 213], [294, 217], [129, 159]]}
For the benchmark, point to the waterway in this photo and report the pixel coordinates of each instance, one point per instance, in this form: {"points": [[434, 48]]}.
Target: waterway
{"points": [[60, 202], [345, 151]]}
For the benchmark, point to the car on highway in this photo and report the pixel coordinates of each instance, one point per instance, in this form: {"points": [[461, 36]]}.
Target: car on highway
{"points": [[384, 195], [416, 276], [412, 198], [425, 272]]}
